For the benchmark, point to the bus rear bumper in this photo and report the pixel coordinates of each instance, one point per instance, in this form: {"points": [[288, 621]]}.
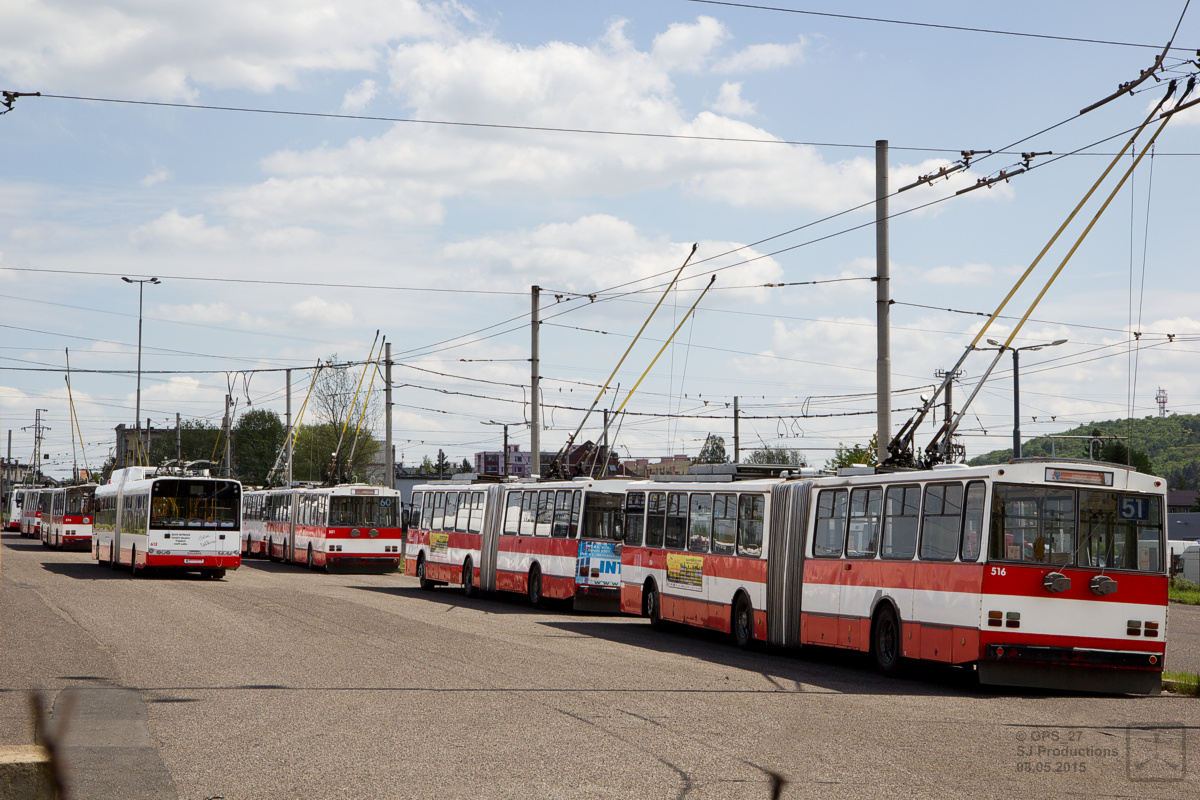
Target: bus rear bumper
{"points": [[1075, 669], [202, 562]]}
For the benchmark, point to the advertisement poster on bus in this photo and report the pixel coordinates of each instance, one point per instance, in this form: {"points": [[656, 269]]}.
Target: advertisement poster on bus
{"points": [[439, 543], [599, 564], [685, 571]]}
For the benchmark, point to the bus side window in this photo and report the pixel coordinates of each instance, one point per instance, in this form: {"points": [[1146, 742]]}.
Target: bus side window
{"points": [[576, 505], [512, 514], [477, 506], [562, 515], [528, 513], [656, 519], [724, 532], [439, 511], [700, 522], [545, 512], [451, 514], [866, 506], [413, 520], [750, 525], [635, 518], [830, 533], [676, 536], [941, 522], [972, 533], [902, 505]]}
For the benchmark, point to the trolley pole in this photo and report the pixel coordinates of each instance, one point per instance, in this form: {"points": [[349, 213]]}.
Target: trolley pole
{"points": [[228, 436], [178, 443], [883, 364], [290, 432], [388, 450], [535, 423]]}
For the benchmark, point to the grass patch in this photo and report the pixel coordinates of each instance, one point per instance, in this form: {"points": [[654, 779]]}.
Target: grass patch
{"points": [[1185, 682], [1182, 591]]}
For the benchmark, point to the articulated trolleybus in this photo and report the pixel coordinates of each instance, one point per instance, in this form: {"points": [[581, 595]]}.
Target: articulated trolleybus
{"points": [[181, 520], [69, 523], [557, 540], [1038, 573], [351, 526], [31, 513]]}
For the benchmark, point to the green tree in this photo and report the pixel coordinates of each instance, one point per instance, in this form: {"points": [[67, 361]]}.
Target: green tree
{"points": [[427, 467], [713, 451], [312, 454], [258, 437], [198, 440], [465, 466], [442, 465], [849, 456], [1117, 453], [776, 456]]}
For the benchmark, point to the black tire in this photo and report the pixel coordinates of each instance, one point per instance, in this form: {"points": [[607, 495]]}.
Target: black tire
{"points": [[468, 579], [133, 567], [741, 624], [653, 608], [886, 641], [426, 584], [114, 559], [535, 586], [214, 574], [310, 557]]}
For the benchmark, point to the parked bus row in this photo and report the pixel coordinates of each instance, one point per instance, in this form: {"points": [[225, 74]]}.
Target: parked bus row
{"points": [[1037, 573]]}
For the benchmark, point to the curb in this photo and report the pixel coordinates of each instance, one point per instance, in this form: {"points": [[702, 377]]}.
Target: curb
{"points": [[25, 773]]}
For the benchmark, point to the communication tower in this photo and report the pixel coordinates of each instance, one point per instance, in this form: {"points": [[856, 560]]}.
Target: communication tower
{"points": [[1161, 399]]}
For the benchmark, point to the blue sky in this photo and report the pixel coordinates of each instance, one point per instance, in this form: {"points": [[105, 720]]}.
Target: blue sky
{"points": [[100, 190]]}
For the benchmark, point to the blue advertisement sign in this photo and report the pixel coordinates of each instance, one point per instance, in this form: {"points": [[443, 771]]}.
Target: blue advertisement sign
{"points": [[599, 564]]}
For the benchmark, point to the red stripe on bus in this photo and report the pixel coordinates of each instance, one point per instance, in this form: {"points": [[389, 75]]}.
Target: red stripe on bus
{"points": [[1026, 581]]}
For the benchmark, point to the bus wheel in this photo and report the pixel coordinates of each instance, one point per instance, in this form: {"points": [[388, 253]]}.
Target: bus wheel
{"points": [[113, 559], [133, 567], [654, 608], [886, 641], [742, 624], [310, 557], [214, 574], [426, 584], [535, 586], [468, 578]]}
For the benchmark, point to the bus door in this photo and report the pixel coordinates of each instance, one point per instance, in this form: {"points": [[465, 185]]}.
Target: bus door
{"points": [[787, 538], [290, 521], [493, 522]]}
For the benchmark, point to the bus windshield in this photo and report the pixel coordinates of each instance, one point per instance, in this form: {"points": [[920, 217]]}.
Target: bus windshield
{"points": [[195, 504], [1077, 527], [374, 512]]}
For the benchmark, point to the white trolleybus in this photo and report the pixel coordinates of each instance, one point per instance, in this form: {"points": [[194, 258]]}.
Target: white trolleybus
{"points": [[31, 513], [12, 509], [181, 520], [347, 527], [69, 523], [1037, 573], [558, 540]]}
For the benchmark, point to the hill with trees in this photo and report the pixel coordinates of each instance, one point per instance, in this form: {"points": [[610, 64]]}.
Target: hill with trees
{"points": [[1168, 447]]}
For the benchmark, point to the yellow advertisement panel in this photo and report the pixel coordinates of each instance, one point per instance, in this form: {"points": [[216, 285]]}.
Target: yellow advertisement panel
{"points": [[685, 571], [439, 543]]}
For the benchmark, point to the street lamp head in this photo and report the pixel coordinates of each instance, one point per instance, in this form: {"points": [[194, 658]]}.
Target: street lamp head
{"points": [[155, 280], [126, 279], [994, 343], [1057, 342]]}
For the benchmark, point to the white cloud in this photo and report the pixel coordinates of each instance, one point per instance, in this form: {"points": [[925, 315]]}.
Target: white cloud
{"points": [[169, 50], [762, 57], [729, 101], [158, 176], [220, 313], [357, 98], [962, 275], [174, 228], [324, 313], [687, 46]]}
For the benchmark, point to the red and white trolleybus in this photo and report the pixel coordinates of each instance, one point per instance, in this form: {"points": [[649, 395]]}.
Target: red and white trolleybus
{"points": [[557, 539], [69, 524], [12, 509], [350, 526], [1038, 573], [182, 519]]}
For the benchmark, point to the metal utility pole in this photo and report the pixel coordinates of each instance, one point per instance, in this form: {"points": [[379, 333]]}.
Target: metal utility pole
{"points": [[604, 445], [388, 451], [36, 467], [137, 414], [228, 435], [178, 442], [535, 422], [290, 437], [736, 442], [883, 363]]}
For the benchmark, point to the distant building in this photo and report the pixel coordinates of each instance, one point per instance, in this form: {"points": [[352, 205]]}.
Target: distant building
{"points": [[491, 462], [1180, 501], [126, 452], [667, 465]]}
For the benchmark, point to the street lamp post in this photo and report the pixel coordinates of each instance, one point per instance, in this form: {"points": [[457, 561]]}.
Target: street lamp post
{"points": [[138, 413], [1017, 385], [504, 455]]}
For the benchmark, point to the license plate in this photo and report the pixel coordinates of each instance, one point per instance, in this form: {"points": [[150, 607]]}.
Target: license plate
{"points": [[193, 561]]}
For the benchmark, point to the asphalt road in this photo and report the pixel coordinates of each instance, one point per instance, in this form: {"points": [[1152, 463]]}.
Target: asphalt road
{"points": [[281, 683]]}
